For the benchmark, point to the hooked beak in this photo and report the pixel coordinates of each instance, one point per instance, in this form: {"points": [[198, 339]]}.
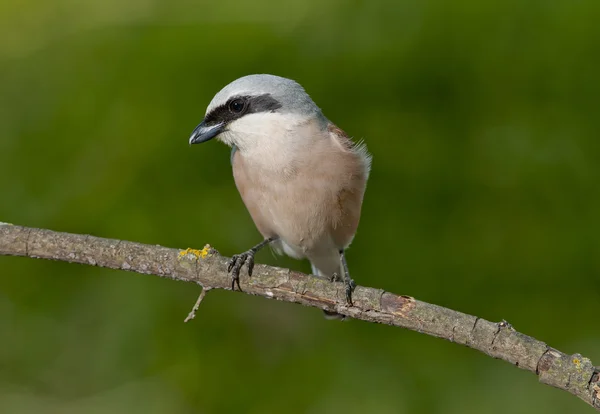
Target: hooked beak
{"points": [[204, 133]]}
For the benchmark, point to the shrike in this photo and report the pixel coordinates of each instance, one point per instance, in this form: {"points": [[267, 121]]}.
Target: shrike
{"points": [[301, 177]]}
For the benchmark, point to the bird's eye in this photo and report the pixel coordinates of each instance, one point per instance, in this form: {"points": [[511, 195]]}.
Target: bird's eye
{"points": [[237, 106]]}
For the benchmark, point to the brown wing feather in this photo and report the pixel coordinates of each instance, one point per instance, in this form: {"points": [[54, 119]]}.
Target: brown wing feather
{"points": [[355, 168]]}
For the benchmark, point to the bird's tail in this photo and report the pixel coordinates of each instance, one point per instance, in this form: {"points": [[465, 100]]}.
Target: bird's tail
{"points": [[327, 266]]}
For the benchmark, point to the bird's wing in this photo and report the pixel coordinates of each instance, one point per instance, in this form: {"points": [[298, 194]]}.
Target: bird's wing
{"points": [[353, 167]]}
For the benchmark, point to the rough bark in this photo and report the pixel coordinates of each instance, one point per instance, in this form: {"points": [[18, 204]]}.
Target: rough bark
{"points": [[573, 373]]}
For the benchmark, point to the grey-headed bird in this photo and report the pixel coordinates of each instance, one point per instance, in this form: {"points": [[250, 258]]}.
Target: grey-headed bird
{"points": [[301, 177]]}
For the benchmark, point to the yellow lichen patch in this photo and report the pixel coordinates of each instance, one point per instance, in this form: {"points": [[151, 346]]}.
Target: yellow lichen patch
{"points": [[577, 362], [198, 254], [206, 250]]}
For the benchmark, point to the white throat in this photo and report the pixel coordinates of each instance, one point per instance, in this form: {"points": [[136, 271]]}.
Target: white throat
{"points": [[273, 140]]}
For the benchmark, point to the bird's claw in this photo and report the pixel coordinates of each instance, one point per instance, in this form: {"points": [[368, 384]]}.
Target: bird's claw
{"points": [[350, 286], [235, 266]]}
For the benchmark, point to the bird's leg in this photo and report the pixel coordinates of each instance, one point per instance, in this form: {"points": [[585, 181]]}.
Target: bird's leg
{"points": [[350, 285], [238, 260]]}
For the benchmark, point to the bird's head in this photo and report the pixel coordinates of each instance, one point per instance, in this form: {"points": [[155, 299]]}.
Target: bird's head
{"points": [[254, 109]]}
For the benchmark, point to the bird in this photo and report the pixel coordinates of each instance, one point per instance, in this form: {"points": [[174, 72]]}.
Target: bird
{"points": [[301, 177]]}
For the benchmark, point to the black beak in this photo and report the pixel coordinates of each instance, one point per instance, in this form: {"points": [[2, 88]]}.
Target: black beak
{"points": [[204, 133]]}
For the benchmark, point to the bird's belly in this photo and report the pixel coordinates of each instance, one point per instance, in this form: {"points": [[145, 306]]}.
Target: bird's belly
{"points": [[299, 218], [306, 214], [301, 222], [281, 247]]}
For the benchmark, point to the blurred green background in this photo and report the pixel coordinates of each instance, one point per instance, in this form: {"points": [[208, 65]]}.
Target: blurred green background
{"points": [[483, 121]]}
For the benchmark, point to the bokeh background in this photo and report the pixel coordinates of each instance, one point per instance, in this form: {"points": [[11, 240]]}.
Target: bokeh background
{"points": [[483, 121]]}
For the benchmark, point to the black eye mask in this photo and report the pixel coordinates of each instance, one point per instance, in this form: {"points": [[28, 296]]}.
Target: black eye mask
{"points": [[238, 106]]}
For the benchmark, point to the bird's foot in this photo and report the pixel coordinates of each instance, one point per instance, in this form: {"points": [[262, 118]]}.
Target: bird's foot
{"points": [[238, 260], [236, 263], [350, 286], [348, 283]]}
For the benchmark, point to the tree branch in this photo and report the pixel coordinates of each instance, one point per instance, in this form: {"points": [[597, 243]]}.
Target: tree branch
{"points": [[572, 373]]}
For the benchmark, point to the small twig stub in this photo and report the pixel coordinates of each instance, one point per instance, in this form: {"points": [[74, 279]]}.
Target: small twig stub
{"points": [[192, 313]]}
